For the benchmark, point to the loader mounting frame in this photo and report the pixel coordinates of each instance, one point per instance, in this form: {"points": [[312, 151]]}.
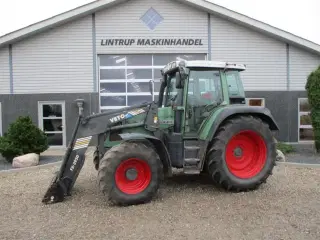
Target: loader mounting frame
{"points": [[87, 127]]}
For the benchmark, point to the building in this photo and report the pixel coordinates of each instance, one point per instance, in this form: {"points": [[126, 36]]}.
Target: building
{"points": [[105, 52]]}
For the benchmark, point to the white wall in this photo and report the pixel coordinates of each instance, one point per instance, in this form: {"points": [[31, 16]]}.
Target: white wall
{"points": [[4, 71], [265, 57], [59, 60], [302, 63], [123, 21]]}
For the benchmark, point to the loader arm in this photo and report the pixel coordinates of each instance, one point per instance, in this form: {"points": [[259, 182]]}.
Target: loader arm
{"points": [[87, 127]]}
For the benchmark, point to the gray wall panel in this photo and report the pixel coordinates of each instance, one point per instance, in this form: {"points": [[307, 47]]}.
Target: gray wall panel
{"points": [[123, 21], [59, 60], [17, 105], [278, 109], [284, 110], [302, 63], [294, 113], [4, 71], [265, 57], [284, 107]]}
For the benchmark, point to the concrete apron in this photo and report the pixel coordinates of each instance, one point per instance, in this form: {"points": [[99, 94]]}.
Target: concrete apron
{"points": [[33, 168], [305, 165], [57, 164]]}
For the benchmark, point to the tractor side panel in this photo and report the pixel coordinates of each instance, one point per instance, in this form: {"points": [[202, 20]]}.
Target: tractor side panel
{"points": [[166, 117], [206, 126], [113, 138]]}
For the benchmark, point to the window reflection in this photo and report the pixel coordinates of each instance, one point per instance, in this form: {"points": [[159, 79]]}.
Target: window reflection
{"points": [[134, 100], [134, 71], [138, 87], [306, 132], [54, 110], [112, 87]]}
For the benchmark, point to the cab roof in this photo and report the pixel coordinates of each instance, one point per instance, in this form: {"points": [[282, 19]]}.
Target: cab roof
{"points": [[172, 66]]}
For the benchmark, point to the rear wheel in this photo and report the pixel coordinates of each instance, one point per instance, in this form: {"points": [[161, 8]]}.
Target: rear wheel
{"points": [[242, 155], [130, 173]]}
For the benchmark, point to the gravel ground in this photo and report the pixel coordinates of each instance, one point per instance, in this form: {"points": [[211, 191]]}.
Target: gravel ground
{"points": [[287, 207]]}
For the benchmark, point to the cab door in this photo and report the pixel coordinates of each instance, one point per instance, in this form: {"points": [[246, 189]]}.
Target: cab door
{"points": [[204, 93], [165, 113]]}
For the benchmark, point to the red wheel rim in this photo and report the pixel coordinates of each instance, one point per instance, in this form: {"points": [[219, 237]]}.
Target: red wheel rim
{"points": [[133, 176], [246, 154]]}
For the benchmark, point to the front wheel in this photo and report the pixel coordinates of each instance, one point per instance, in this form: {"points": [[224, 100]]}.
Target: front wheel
{"points": [[130, 173], [242, 155]]}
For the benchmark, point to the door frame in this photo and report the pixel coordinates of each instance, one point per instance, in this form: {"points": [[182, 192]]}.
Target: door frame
{"points": [[1, 133], [40, 120]]}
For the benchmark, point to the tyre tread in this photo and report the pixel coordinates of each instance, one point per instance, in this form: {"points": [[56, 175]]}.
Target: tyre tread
{"points": [[216, 151], [109, 163]]}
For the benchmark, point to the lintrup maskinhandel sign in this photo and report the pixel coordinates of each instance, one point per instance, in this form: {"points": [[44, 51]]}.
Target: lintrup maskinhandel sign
{"points": [[152, 42]]}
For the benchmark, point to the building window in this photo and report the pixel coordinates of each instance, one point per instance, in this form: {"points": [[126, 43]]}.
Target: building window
{"points": [[52, 122], [124, 79], [0, 120], [255, 102], [305, 126]]}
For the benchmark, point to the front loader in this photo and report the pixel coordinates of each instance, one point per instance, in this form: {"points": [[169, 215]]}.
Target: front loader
{"points": [[200, 124]]}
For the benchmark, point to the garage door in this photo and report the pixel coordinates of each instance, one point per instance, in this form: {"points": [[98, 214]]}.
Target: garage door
{"points": [[124, 79], [0, 121]]}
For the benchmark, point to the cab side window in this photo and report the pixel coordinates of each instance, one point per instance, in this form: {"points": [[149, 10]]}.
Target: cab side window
{"points": [[235, 87]]}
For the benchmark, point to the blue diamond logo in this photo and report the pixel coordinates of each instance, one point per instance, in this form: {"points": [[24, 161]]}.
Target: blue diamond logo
{"points": [[151, 18]]}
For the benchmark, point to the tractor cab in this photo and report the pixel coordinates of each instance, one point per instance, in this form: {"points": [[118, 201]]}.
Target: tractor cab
{"points": [[193, 89]]}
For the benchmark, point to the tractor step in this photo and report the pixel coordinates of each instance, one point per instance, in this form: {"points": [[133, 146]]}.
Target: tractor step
{"points": [[191, 166], [191, 170], [189, 146], [191, 161], [191, 151]]}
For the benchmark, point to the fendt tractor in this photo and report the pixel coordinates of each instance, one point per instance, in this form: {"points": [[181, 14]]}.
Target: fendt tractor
{"points": [[200, 124]]}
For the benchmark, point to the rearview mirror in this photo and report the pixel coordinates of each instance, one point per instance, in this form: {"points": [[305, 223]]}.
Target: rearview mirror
{"points": [[181, 76], [179, 80]]}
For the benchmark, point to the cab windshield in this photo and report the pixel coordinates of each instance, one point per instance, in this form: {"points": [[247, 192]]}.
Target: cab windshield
{"points": [[204, 87]]}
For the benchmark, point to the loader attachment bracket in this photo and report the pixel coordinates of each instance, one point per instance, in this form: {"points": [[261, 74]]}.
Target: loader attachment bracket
{"points": [[63, 182], [56, 191]]}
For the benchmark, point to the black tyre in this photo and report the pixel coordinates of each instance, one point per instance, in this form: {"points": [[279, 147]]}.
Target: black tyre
{"points": [[130, 173], [96, 159], [242, 155]]}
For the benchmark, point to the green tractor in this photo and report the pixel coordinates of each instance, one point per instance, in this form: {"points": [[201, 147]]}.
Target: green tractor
{"points": [[200, 124]]}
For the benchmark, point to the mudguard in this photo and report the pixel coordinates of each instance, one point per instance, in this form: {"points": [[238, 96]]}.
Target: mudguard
{"points": [[159, 146], [222, 114], [208, 130]]}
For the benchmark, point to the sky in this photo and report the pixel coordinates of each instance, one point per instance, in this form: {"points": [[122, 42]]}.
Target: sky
{"points": [[297, 17]]}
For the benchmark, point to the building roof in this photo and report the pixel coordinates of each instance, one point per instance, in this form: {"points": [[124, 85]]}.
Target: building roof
{"points": [[199, 4], [203, 64], [215, 64]]}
